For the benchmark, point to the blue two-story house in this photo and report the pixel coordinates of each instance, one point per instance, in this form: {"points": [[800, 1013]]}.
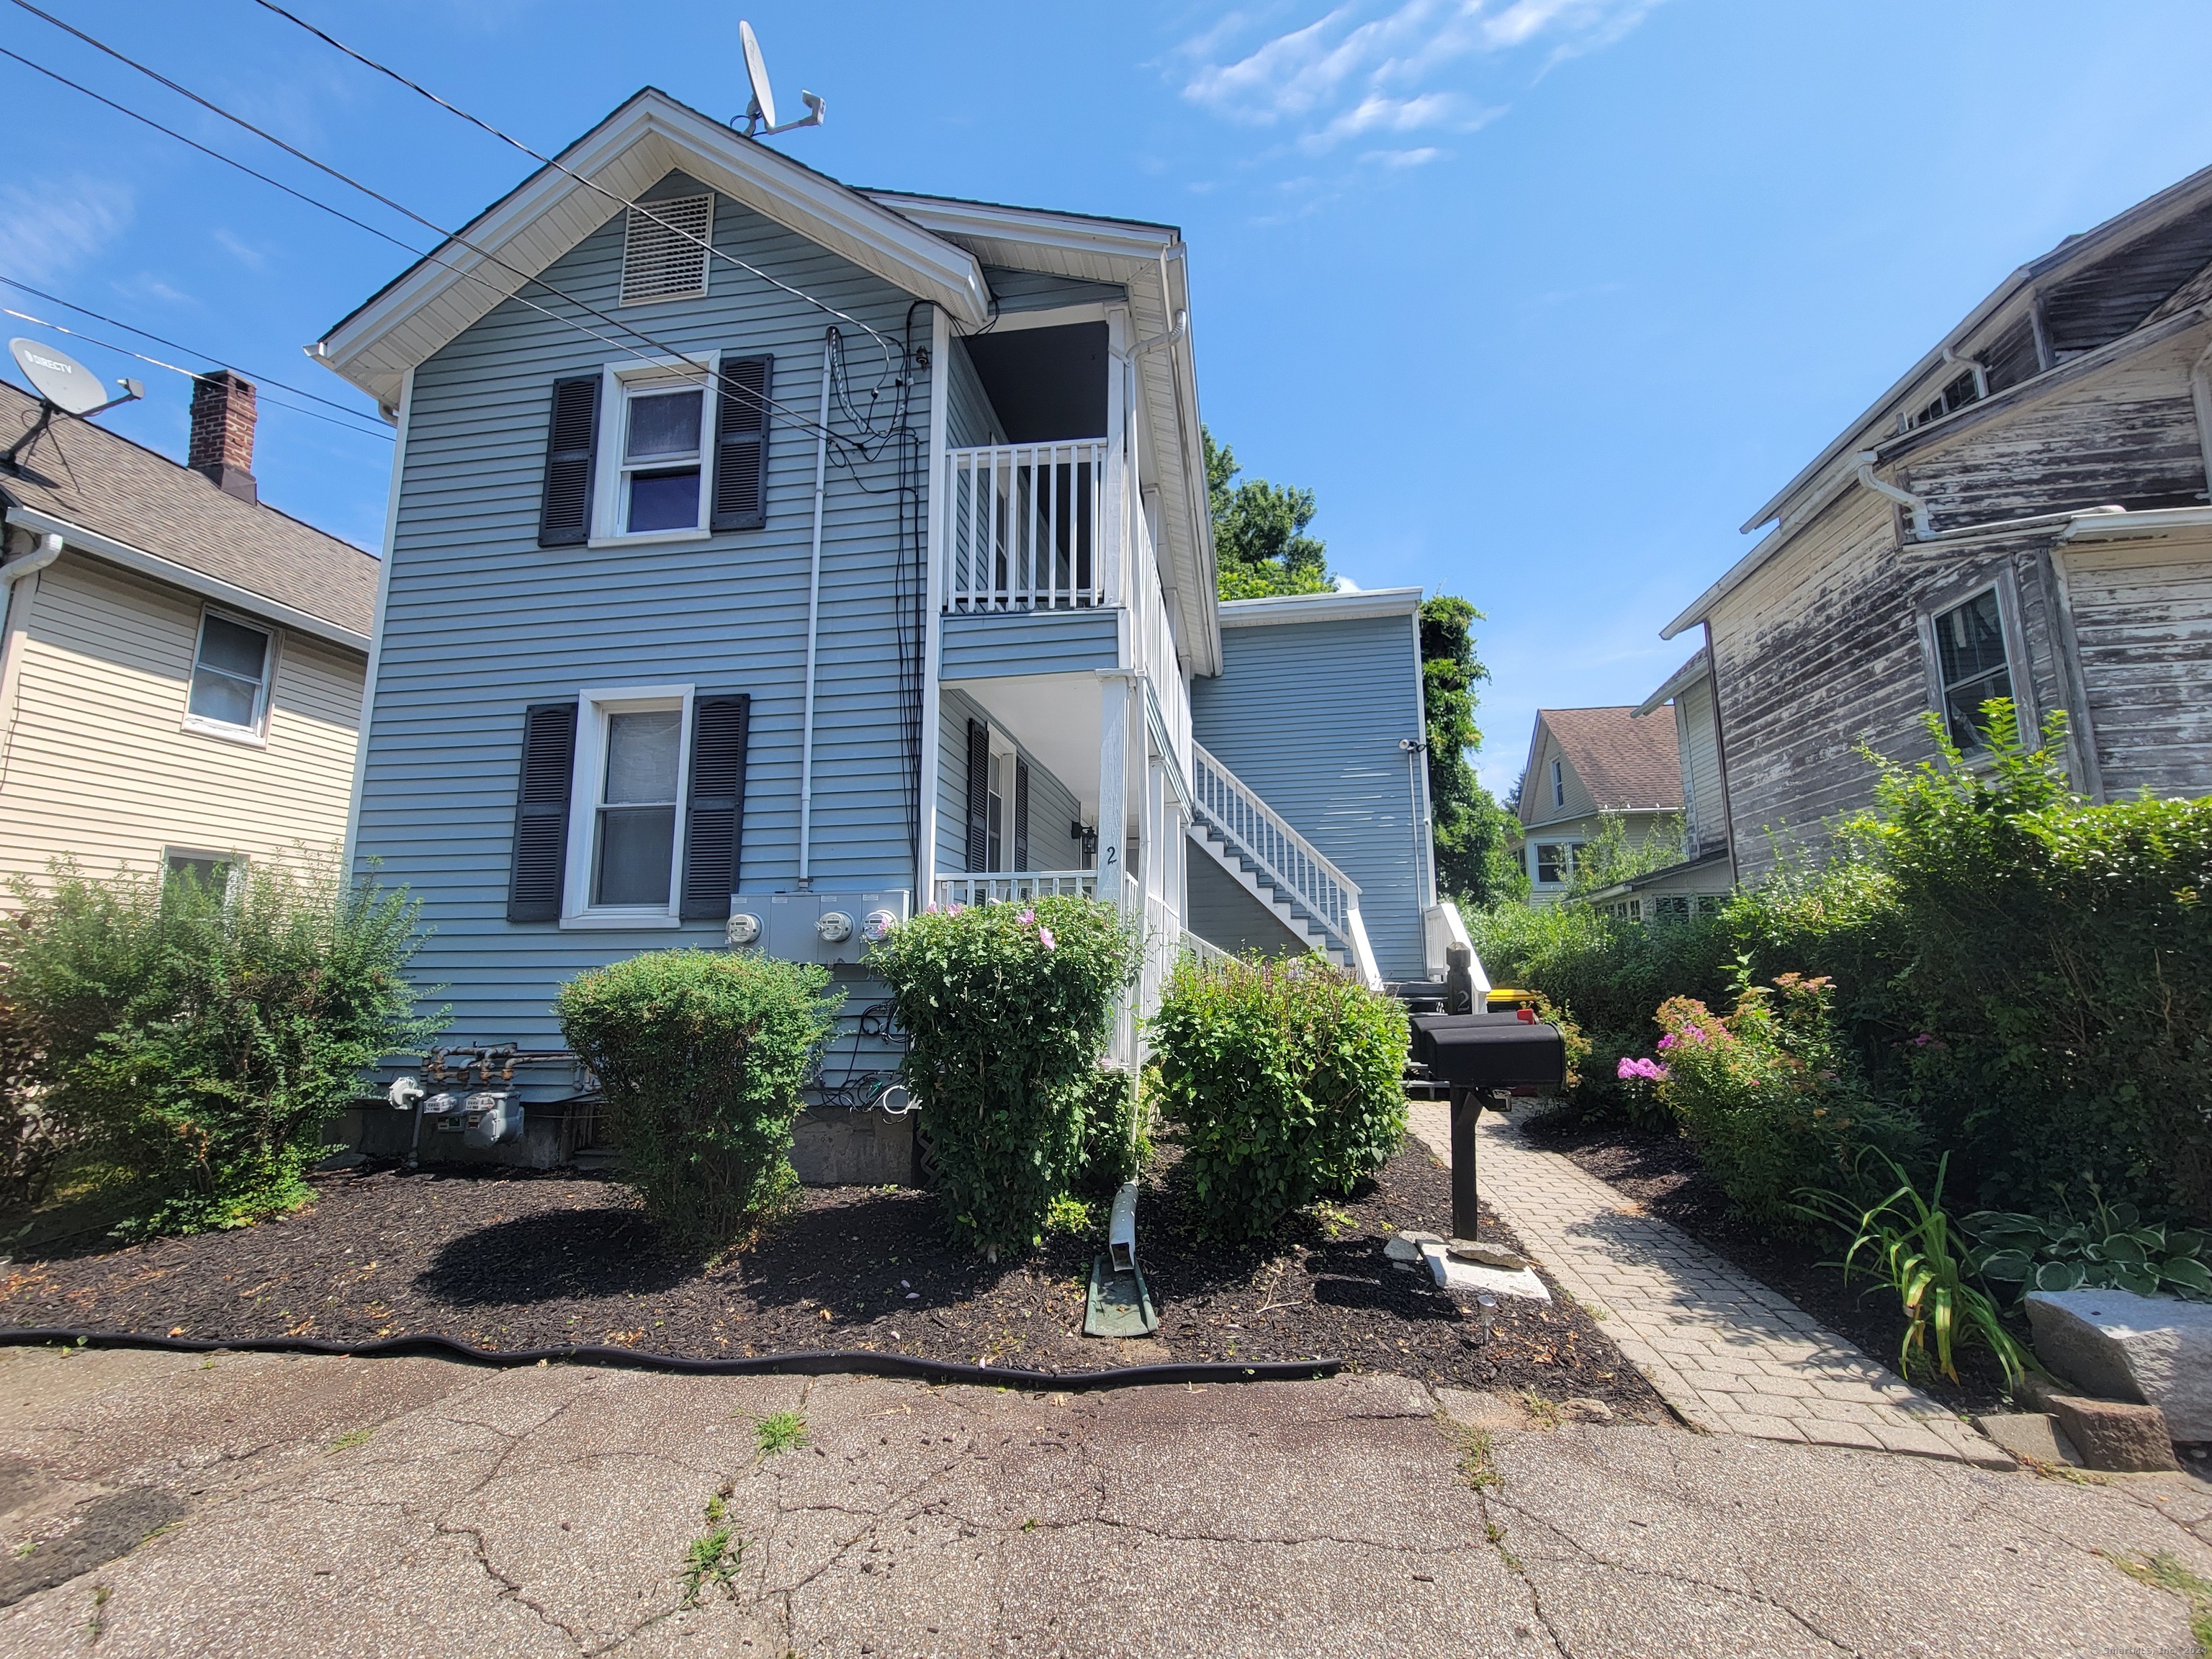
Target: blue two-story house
{"points": [[768, 558]]}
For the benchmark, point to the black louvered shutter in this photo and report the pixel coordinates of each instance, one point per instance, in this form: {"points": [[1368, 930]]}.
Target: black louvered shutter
{"points": [[715, 818], [1021, 814], [572, 443], [541, 812], [741, 444], [979, 794]]}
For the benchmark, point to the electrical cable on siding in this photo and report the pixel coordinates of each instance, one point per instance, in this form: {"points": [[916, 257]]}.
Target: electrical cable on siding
{"points": [[709, 373], [705, 243]]}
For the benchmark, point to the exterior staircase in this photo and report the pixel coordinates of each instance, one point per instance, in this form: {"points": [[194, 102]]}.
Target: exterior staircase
{"points": [[1278, 867]]}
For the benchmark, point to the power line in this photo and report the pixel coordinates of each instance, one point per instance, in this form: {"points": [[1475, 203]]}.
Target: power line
{"points": [[796, 417], [178, 345], [479, 123], [192, 374]]}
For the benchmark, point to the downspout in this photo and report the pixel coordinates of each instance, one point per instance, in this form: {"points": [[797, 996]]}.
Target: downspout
{"points": [[18, 620], [1906, 499], [1720, 752], [813, 616]]}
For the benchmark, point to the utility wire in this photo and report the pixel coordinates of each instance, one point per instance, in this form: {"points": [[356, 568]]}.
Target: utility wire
{"points": [[479, 122], [794, 416], [109, 345], [178, 345]]}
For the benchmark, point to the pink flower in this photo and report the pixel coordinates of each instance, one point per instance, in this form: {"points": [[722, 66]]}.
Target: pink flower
{"points": [[1045, 938], [1667, 1041], [1026, 917], [1922, 1040], [1635, 1070]]}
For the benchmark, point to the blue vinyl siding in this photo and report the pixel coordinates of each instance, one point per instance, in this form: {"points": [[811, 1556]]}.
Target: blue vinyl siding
{"points": [[1220, 911], [1309, 714], [970, 420], [1030, 642], [1052, 805], [481, 621]]}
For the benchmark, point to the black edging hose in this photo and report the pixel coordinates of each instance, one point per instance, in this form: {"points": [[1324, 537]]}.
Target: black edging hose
{"points": [[813, 1363]]}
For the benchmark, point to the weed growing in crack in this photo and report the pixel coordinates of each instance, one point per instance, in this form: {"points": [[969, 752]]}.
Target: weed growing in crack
{"points": [[2165, 1570], [1475, 1464], [1494, 1535], [712, 1558], [779, 1431], [24, 1548], [98, 1622], [1544, 1414], [351, 1439]]}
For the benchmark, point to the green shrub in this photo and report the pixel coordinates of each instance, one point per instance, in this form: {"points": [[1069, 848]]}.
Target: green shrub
{"points": [[1116, 1116], [1006, 1010], [1284, 1081], [1770, 1098], [2111, 1246], [202, 1036], [701, 1055]]}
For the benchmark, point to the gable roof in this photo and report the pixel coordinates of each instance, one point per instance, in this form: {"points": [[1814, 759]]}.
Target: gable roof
{"points": [[106, 496], [1627, 761], [429, 304]]}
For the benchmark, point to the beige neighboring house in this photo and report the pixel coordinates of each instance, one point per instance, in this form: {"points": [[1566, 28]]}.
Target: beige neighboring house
{"points": [[181, 672], [1705, 873], [1586, 765]]}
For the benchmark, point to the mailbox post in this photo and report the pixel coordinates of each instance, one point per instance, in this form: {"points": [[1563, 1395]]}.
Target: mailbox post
{"points": [[1466, 1114], [1480, 1056]]}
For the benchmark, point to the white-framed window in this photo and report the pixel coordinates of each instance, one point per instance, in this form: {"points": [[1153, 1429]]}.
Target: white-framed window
{"points": [[655, 445], [625, 815], [211, 869], [999, 807], [1559, 782], [232, 665], [1969, 386], [1555, 862], [1971, 664]]}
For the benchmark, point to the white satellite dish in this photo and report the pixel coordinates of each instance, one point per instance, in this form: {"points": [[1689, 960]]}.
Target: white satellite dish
{"points": [[756, 72], [760, 114], [58, 377]]}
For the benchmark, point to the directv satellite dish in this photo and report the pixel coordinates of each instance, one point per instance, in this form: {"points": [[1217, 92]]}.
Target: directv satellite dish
{"points": [[760, 114], [65, 386], [756, 72], [58, 377]]}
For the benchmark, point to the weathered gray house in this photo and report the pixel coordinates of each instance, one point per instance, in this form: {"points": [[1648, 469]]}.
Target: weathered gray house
{"points": [[770, 558], [2025, 514]]}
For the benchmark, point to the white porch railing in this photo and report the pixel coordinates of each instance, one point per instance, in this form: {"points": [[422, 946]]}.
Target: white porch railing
{"points": [[1296, 866], [1014, 886], [1026, 527]]}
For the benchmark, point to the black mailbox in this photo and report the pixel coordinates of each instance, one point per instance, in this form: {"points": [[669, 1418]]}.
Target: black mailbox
{"points": [[1490, 1052]]}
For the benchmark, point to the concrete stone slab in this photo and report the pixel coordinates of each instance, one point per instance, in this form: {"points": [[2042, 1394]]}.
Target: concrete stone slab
{"points": [[2031, 1437], [2154, 1350]]}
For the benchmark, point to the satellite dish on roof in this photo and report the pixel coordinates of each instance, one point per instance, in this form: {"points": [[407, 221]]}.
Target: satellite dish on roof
{"points": [[764, 105], [58, 377], [760, 114], [65, 386]]}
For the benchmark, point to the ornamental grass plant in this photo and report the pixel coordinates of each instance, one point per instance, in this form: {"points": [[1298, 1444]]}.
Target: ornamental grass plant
{"points": [[700, 1057], [1006, 1009], [1283, 1080]]}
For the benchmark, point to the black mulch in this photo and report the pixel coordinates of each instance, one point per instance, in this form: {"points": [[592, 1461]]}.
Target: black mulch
{"points": [[519, 1260], [1661, 1172]]}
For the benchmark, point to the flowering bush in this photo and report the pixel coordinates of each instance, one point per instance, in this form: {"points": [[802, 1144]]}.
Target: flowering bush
{"points": [[1769, 1096], [1005, 1011], [1285, 1081]]}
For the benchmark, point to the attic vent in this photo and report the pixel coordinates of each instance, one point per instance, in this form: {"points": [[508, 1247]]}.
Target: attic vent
{"points": [[667, 259]]}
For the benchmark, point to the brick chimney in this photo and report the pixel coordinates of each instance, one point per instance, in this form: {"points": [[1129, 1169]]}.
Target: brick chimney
{"points": [[222, 433]]}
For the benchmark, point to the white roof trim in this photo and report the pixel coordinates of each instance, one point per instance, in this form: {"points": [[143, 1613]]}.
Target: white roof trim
{"points": [[549, 213], [1676, 681], [2156, 522], [178, 575], [1321, 607]]}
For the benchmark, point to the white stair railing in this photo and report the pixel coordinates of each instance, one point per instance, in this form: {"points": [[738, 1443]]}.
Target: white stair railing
{"points": [[1014, 886], [1025, 528], [1296, 866]]}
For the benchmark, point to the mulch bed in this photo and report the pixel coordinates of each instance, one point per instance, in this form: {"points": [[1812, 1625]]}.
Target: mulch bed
{"points": [[1661, 1172], [520, 1259]]}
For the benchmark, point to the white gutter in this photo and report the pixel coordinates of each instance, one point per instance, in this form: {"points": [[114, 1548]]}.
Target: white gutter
{"points": [[813, 617], [1914, 504], [177, 575], [49, 550], [2104, 524]]}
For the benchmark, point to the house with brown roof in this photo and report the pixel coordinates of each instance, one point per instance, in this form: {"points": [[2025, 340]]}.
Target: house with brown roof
{"points": [[181, 667], [1587, 766]]}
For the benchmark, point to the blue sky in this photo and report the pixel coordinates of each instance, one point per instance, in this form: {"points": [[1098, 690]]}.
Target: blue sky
{"points": [[1541, 297]]}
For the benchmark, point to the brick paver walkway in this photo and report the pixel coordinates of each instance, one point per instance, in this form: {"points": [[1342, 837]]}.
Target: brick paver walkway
{"points": [[1730, 1355]]}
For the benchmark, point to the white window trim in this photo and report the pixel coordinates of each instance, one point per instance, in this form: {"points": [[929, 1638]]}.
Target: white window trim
{"points": [[593, 705], [255, 736], [1558, 783], [1566, 850], [233, 862], [2025, 715], [609, 500]]}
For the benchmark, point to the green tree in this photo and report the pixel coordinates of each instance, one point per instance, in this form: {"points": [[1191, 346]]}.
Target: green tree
{"points": [[1473, 833], [1260, 546]]}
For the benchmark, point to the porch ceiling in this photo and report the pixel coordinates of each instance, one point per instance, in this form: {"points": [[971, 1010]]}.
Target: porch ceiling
{"points": [[1054, 716]]}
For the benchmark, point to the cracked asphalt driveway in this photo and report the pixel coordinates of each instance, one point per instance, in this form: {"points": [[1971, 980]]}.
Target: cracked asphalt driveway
{"points": [[340, 1507]]}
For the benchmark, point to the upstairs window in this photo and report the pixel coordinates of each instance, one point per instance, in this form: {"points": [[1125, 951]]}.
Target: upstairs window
{"points": [[230, 693], [660, 458], [1558, 783], [1967, 387], [1555, 862], [1971, 665], [665, 249]]}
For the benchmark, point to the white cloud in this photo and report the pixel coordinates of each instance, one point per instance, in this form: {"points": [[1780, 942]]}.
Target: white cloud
{"points": [[46, 230], [239, 249], [1348, 74], [1402, 158]]}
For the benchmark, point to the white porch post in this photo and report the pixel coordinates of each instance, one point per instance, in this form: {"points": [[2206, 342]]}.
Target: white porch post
{"points": [[1115, 733], [934, 540]]}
